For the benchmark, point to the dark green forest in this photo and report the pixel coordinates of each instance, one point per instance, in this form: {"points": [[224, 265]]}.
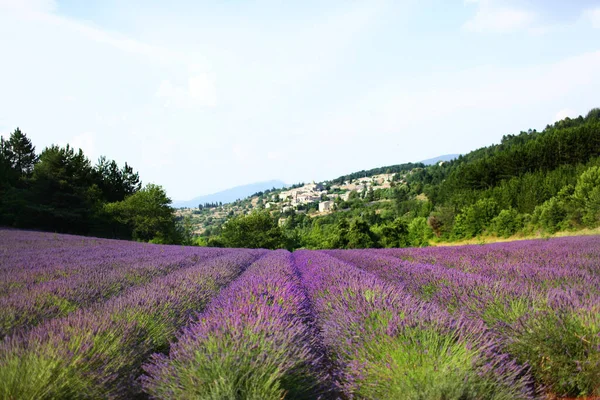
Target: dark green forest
{"points": [[532, 182], [59, 190]]}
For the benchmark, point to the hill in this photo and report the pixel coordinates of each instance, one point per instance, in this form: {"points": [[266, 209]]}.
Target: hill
{"points": [[231, 195], [435, 160], [529, 183]]}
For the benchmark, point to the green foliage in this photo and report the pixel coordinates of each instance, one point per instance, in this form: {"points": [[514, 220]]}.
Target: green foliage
{"points": [[473, 219], [426, 364], [63, 194], [21, 153], [370, 195], [7, 174], [587, 195], [56, 370], [561, 348], [441, 220], [116, 184], [359, 235], [419, 232], [60, 190], [399, 169], [225, 367], [393, 234], [503, 311], [507, 223], [186, 231], [551, 215], [593, 115], [568, 142], [148, 214], [256, 230]]}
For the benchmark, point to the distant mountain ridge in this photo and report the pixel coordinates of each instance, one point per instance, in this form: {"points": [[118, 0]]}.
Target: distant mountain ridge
{"points": [[435, 160], [231, 195]]}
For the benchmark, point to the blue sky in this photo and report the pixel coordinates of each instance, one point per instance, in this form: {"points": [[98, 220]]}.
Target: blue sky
{"points": [[200, 96]]}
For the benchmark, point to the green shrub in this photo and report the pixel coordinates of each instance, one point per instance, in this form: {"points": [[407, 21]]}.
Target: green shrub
{"points": [[551, 216], [587, 196], [507, 223], [419, 232], [562, 350], [474, 219], [421, 364]]}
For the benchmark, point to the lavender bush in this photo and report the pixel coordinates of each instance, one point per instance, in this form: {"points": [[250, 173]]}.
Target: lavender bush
{"points": [[98, 352], [256, 340], [540, 298], [391, 345]]}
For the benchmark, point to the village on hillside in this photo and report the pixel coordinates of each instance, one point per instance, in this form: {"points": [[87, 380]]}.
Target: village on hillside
{"points": [[325, 194], [315, 199]]}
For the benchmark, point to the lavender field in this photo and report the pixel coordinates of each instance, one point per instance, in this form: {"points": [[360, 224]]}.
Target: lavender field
{"points": [[94, 318]]}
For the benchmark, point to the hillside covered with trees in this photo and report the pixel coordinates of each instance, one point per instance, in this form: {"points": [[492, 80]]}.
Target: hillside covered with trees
{"points": [[531, 182]]}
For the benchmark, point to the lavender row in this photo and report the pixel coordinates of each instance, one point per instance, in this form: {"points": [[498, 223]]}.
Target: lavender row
{"points": [[551, 323], [51, 268], [98, 352], [453, 289], [28, 250], [389, 344], [577, 256], [256, 340], [479, 291], [25, 262], [543, 271], [28, 307]]}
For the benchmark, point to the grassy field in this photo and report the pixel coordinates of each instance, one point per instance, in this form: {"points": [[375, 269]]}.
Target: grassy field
{"points": [[537, 235]]}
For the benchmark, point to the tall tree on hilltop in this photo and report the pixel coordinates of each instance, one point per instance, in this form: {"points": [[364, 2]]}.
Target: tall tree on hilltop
{"points": [[131, 180], [22, 153], [594, 115], [115, 183], [111, 180], [63, 195], [6, 171]]}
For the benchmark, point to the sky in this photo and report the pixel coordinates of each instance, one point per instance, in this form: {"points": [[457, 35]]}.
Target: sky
{"points": [[201, 96]]}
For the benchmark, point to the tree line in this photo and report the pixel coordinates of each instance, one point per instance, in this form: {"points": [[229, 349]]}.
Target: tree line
{"points": [[210, 205], [60, 190]]}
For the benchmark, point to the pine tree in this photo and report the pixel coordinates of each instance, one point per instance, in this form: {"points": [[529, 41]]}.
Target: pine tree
{"points": [[131, 180], [22, 153], [7, 174]]}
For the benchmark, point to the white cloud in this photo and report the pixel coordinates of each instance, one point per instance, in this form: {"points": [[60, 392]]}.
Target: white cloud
{"points": [[43, 11], [275, 155], [391, 108], [86, 142], [241, 153], [564, 113], [593, 16], [537, 17], [489, 18], [28, 6], [200, 91]]}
